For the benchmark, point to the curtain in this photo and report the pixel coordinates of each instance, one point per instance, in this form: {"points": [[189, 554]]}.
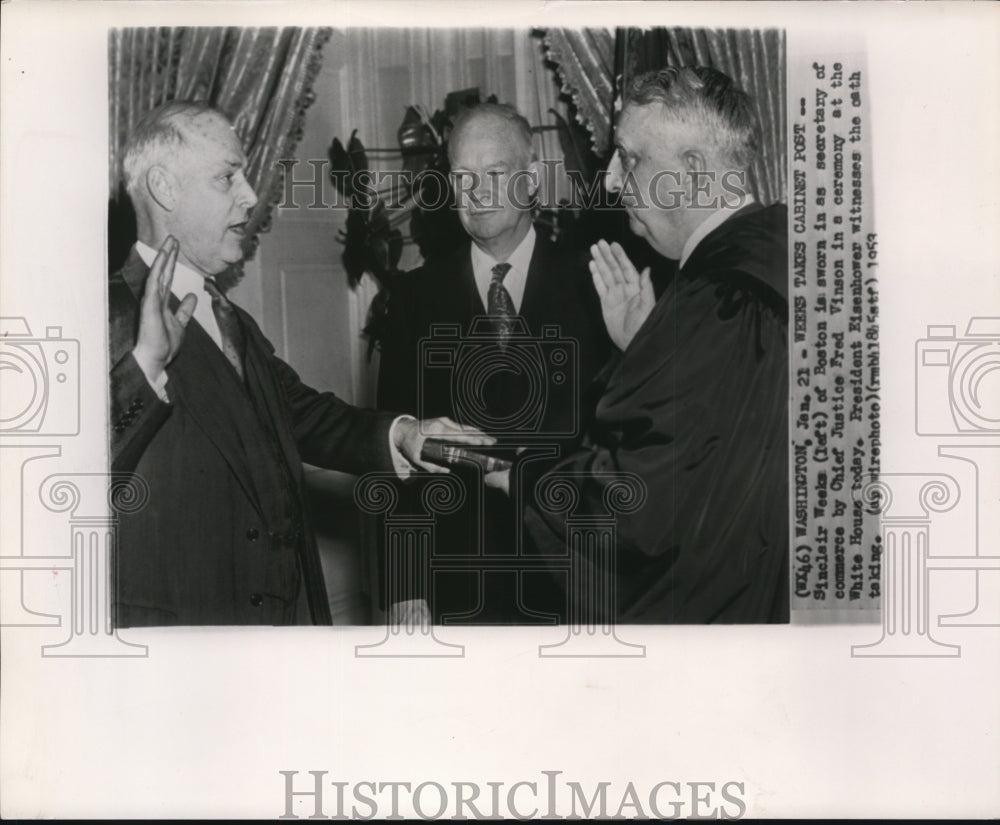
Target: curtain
{"points": [[585, 64], [260, 78], [595, 66]]}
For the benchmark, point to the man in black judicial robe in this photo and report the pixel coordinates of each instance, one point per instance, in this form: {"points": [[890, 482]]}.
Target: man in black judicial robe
{"points": [[695, 401], [528, 392]]}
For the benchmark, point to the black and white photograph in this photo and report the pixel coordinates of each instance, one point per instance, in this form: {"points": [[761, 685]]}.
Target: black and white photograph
{"points": [[506, 318], [451, 411]]}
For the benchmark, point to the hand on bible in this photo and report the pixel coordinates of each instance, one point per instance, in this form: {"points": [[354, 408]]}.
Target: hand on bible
{"points": [[409, 436], [626, 296], [160, 330]]}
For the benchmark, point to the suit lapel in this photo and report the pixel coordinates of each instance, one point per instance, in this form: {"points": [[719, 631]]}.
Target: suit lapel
{"points": [[535, 284], [134, 274], [200, 378], [270, 390], [470, 291]]}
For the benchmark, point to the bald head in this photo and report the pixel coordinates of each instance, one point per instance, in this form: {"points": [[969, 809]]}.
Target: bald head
{"points": [[477, 123], [160, 136]]}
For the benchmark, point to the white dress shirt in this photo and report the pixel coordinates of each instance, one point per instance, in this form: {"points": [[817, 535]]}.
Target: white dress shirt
{"points": [[716, 219], [188, 280], [517, 275]]}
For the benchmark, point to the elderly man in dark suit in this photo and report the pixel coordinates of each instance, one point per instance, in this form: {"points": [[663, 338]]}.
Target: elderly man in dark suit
{"points": [[517, 306], [207, 415], [695, 399]]}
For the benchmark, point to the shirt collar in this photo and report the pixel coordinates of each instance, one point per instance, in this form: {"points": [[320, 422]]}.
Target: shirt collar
{"points": [[519, 259], [713, 221], [185, 279]]}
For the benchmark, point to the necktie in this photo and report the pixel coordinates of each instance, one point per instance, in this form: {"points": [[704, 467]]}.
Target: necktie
{"points": [[500, 305], [229, 326]]}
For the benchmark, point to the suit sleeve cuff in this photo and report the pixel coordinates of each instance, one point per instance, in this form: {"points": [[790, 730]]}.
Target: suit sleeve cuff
{"points": [[400, 463], [157, 383]]}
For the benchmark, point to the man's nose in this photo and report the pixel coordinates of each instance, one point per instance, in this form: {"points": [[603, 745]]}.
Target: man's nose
{"points": [[614, 177], [247, 198]]}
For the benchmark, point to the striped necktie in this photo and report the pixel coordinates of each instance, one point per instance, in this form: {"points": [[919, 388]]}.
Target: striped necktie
{"points": [[233, 345], [500, 305]]}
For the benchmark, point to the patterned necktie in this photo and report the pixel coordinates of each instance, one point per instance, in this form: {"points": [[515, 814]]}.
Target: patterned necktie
{"points": [[229, 326], [500, 305]]}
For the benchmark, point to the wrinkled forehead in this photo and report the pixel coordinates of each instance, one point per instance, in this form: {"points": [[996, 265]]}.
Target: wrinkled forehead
{"points": [[639, 123], [210, 137], [487, 141]]}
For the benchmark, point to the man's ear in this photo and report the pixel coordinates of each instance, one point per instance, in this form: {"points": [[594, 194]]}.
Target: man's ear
{"points": [[694, 161], [535, 168], [698, 184], [162, 186]]}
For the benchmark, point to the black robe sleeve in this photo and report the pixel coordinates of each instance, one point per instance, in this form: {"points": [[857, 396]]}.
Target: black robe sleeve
{"points": [[696, 407]]}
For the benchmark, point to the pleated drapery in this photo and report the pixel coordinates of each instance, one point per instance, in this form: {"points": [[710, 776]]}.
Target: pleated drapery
{"points": [[261, 78], [595, 66], [585, 64]]}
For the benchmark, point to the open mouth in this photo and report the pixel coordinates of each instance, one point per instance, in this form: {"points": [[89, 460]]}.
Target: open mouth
{"points": [[239, 228]]}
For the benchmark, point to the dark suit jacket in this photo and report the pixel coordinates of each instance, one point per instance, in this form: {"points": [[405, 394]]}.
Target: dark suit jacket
{"points": [[558, 294], [547, 403], [697, 408], [223, 539]]}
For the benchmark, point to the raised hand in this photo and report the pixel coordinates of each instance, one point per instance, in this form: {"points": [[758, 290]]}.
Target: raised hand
{"points": [[626, 296], [160, 330], [409, 436]]}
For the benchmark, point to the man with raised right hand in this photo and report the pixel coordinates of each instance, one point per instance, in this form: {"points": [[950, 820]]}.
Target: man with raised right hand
{"points": [[204, 412]]}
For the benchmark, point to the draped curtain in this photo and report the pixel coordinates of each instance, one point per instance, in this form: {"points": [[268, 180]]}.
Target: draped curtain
{"points": [[754, 59], [586, 60], [261, 78]]}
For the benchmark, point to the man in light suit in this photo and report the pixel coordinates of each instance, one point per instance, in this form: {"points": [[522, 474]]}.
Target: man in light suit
{"points": [[205, 413], [524, 283]]}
